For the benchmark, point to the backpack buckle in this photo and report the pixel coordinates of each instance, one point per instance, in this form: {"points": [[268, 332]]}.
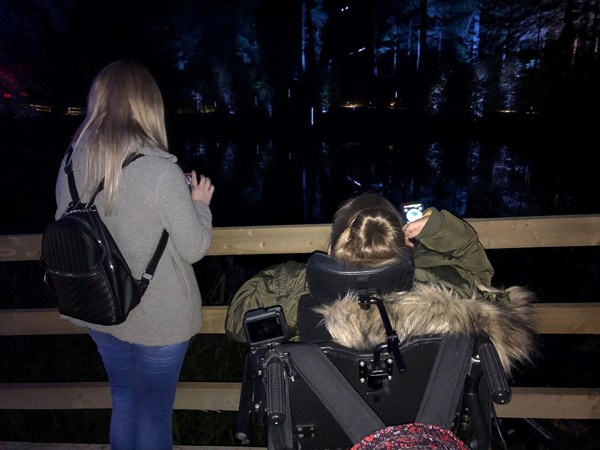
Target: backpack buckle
{"points": [[145, 279]]}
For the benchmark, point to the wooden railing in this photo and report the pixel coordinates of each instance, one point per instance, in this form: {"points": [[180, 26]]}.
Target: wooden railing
{"points": [[572, 316]]}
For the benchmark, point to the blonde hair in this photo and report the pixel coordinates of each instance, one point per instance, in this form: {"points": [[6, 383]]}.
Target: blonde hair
{"points": [[367, 231], [125, 112]]}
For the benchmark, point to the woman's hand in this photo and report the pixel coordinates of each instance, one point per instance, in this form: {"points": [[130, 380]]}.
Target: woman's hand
{"points": [[202, 190], [412, 230]]}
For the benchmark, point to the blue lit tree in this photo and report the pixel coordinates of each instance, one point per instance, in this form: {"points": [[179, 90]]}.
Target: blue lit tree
{"points": [[273, 57]]}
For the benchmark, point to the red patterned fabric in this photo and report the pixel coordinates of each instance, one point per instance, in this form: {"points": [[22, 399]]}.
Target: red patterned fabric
{"points": [[413, 436]]}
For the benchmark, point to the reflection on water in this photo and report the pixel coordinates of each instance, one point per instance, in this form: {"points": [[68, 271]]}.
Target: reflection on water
{"points": [[301, 178], [294, 181]]}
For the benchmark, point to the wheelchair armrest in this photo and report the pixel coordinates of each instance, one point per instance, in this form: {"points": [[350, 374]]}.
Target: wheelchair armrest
{"points": [[494, 373]]}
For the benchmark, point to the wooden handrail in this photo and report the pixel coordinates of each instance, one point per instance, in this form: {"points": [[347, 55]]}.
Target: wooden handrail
{"points": [[550, 318], [509, 232], [534, 403]]}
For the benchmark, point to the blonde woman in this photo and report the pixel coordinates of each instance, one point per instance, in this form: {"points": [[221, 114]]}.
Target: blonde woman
{"points": [[143, 355]]}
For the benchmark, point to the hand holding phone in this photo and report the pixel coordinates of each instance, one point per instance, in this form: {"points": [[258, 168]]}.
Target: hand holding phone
{"points": [[412, 211], [201, 187]]}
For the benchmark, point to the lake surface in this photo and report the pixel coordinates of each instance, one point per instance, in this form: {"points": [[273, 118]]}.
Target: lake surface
{"points": [[511, 167], [500, 169]]}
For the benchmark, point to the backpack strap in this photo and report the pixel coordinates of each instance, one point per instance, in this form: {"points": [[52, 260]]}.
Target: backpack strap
{"points": [[149, 272], [71, 178]]}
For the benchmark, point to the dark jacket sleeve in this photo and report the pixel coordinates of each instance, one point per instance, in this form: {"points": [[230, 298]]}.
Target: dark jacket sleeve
{"points": [[283, 284], [449, 250]]}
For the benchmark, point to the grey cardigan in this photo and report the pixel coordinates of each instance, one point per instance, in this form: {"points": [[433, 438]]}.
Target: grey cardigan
{"points": [[153, 195]]}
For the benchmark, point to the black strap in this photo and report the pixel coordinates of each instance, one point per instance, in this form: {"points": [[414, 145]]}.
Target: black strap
{"points": [[162, 243], [439, 403], [149, 272], [335, 392], [71, 178], [445, 385]]}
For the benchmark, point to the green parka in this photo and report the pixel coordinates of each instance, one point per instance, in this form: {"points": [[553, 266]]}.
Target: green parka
{"points": [[448, 251]]}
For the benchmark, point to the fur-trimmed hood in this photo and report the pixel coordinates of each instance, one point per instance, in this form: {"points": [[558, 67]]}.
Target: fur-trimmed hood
{"points": [[431, 308]]}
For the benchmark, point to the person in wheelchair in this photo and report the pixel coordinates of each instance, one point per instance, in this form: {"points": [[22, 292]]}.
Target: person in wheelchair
{"points": [[435, 351], [443, 262]]}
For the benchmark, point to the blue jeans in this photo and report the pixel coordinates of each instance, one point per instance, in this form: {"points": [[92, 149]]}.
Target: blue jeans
{"points": [[143, 382]]}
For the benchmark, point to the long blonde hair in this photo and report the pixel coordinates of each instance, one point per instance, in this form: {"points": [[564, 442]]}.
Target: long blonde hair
{"points": [[367, 231], [125, 112]]}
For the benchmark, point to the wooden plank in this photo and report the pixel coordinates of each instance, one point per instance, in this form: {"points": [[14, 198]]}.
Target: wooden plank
{"points": [[552, 403], [538, 231], [41, 321], [534, 403], [567, 318], [34, 322], [20, 247], [208, 396], [89, 395], [550, 318], [494, 233], [96, 395], [269, 240], [213, 319]]}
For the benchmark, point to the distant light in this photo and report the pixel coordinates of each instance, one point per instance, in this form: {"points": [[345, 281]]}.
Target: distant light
{"points": [[40, 108], [352, 180], [353, 105], [74, 111]]}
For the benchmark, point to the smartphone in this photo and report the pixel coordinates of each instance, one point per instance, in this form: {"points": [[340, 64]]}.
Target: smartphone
{"points": [[412, 211]]}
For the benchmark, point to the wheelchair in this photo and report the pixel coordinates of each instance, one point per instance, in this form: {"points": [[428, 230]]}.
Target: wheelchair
{"points": [[315, 394]]}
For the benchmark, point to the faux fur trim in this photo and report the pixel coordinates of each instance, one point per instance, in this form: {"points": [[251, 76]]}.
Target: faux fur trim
{"points": [[431, 308]]}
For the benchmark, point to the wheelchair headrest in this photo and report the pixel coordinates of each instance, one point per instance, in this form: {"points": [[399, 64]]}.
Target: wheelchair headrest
{"points": [[329, 278]]}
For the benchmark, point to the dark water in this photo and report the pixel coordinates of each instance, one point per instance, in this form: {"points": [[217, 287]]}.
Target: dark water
{"points": [[509, 167]]}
